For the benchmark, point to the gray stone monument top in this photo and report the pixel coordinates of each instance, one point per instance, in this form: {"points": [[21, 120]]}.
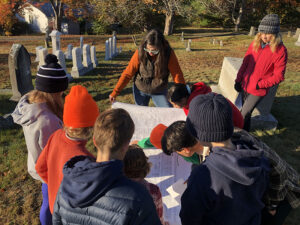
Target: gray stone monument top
{"points": [[252, 31], [19, 71], [77, 69], [87, 62], [55, 36]]}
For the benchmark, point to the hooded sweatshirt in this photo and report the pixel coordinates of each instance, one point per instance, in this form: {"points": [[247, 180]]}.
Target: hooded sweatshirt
{"points": [[38, 123], [99, 193], [227, 188]]}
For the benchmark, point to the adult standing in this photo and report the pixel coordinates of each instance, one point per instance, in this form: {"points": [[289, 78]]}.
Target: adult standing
{"points": [[263, 66], [150, 67], [40, 114]]}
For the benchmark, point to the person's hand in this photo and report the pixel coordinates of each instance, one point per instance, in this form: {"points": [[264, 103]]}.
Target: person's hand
{"points": [[272, 212], [112, 99], [238, 86]]}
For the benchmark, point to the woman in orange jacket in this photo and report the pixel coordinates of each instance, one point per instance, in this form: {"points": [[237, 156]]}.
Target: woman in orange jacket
{"points": [[150, 67]]}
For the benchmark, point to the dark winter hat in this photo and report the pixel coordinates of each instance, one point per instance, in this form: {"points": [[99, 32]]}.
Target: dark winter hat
{"points": [[210, 118], [51, 78], [269, 24]]}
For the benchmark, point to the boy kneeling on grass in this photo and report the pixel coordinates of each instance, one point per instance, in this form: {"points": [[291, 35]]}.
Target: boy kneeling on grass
{"points": [[97, 191]]}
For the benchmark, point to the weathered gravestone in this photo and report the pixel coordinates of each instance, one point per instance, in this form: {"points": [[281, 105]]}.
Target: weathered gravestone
{"points": [[94, 57], [188, 49], [62, 62], [19, 71], [298, 42], [106, 50], [42, 54], [289, 34], [114, 46], [221, 43], [252, 31], [182, 36], [297, 33], [87, 62], [77, 69], [261, 116], [55, 36], [37, 53], [68, 53], [110, 48], [81, 44]]}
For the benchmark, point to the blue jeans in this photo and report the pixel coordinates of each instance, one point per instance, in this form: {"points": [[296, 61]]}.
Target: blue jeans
{"points": [[159, 99], [45, 214]]}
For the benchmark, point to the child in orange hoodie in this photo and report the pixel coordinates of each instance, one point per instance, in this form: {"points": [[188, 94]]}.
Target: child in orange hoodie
{"points": [[180, 96], [80, 113]]}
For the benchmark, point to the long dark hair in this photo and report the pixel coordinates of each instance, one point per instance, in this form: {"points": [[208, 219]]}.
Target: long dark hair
{"points": [[157, 39]]}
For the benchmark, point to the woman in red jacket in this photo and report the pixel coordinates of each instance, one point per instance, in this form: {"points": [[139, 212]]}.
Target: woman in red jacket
{"points": [[263, 66], [150, 67]]}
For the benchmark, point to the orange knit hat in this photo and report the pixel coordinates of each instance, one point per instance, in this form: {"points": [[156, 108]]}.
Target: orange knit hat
{"points": [[156, 135], [80, 109]]}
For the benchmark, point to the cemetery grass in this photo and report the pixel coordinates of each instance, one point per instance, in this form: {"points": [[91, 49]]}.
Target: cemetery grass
{"points": [[20, 195]]}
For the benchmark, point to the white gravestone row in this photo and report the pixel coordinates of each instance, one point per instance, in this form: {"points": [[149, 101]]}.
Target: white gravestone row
{"points": [[111, 49]]}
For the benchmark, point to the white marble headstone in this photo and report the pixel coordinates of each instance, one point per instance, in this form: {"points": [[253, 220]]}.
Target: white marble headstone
{"points": [[94, 57], [37, 53], [110, 48], [55, 37], [68, 53], [106, 50], [42, 54], [77, 69], [87, 62]]}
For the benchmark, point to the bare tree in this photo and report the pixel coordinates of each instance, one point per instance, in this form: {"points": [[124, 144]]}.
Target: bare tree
{"points": [[57, 6], [237, 13]]}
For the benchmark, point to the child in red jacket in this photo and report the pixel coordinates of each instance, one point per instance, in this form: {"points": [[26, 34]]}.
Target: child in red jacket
{"points": [[80, 113], [180, 96]]}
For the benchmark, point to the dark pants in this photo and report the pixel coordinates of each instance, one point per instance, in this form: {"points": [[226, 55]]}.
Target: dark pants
{"points": [[249, 103], [45, 214], [282, 211]]}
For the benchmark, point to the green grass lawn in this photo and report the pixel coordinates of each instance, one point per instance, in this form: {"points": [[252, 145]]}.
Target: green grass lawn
{"points": [[20, 195]]}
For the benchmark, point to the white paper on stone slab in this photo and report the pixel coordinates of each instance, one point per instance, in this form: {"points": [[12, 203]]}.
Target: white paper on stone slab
{"points": [[165, 170]]}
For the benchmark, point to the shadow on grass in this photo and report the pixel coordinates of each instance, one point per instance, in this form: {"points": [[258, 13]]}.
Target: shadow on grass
{"points": [[201, 50], [7, 106]]}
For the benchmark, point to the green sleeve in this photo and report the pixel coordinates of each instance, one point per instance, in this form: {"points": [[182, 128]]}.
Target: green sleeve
{"points": [[145, 143], [193, 159]]}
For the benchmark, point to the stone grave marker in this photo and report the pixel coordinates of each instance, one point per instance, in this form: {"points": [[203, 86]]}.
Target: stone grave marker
{"points": [[94, 57], [214, 41], [68, 53], [77, 69], [211, 41], [261, 116], [252, 31], [87, 62], [19, 71], [298, 42], [81, 44], [106, 50], [37, 53], [297, 33], [42, 54], [55, 36], [110, 48], [62, 62], [120, 50], [182, 36], [221, 43], [188, 49], [114, 46], [289, 33]]}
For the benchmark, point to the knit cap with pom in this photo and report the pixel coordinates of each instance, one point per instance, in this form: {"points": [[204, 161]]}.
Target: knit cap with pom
{"points": [[156, 135], [270, 24], [80, 109], [210, 118], [51, 78]]}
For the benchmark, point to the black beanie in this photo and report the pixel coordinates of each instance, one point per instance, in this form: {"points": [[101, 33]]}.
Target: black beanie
{"points": [[51, 78], [210, 118], [269, 24]]}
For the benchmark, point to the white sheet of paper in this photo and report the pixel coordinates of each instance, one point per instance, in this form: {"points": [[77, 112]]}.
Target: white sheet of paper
{"points": [[165, 170]]}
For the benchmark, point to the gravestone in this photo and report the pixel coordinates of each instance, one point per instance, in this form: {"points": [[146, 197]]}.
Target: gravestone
{"points": [[261, 116], [114, 46], [87, 62], [110, 48], [298, 42], [221, 43], [55, 36], [81, 44], [106, 50], [182, 37], [42, 54], [289, 34], [37, 53], [61, 60], [94, 57], [120, 50], [19, 71], [47, 37], [188, 49], [214, 41], [68, 53], [252, 31], [211, 41], [77, 69], [297, 33]]}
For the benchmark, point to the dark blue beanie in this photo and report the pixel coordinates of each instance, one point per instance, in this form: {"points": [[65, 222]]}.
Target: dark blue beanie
{"points": [[210, 118]]}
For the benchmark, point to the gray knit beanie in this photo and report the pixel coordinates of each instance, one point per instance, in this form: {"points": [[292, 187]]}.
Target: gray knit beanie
{"points": [[269, 24], [210, 118]]}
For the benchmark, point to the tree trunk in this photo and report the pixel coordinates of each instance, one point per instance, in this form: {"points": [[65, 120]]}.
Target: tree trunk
{"points": [[237, 20], [169, 23], [58, 13]]}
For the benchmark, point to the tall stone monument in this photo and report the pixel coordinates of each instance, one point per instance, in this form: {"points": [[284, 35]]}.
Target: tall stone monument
{"points": [[94, 57], [188, 49], [77, 69], [87, 62], [62, 62], [37, 53], [106, 50], [19, 71], [42, 54], [252, 31], [110, 56], [55, 37], [68, 53]]}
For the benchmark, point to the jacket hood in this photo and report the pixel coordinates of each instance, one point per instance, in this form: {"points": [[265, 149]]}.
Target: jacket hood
{"points": [[25, 113], [85, 180], [242, 165]]}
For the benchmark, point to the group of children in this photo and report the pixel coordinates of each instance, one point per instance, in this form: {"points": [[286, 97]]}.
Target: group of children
{"points": [[237, 178]]}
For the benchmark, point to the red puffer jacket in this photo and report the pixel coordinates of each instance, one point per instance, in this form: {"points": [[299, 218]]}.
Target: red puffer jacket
{"points": [[263, 68]]}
